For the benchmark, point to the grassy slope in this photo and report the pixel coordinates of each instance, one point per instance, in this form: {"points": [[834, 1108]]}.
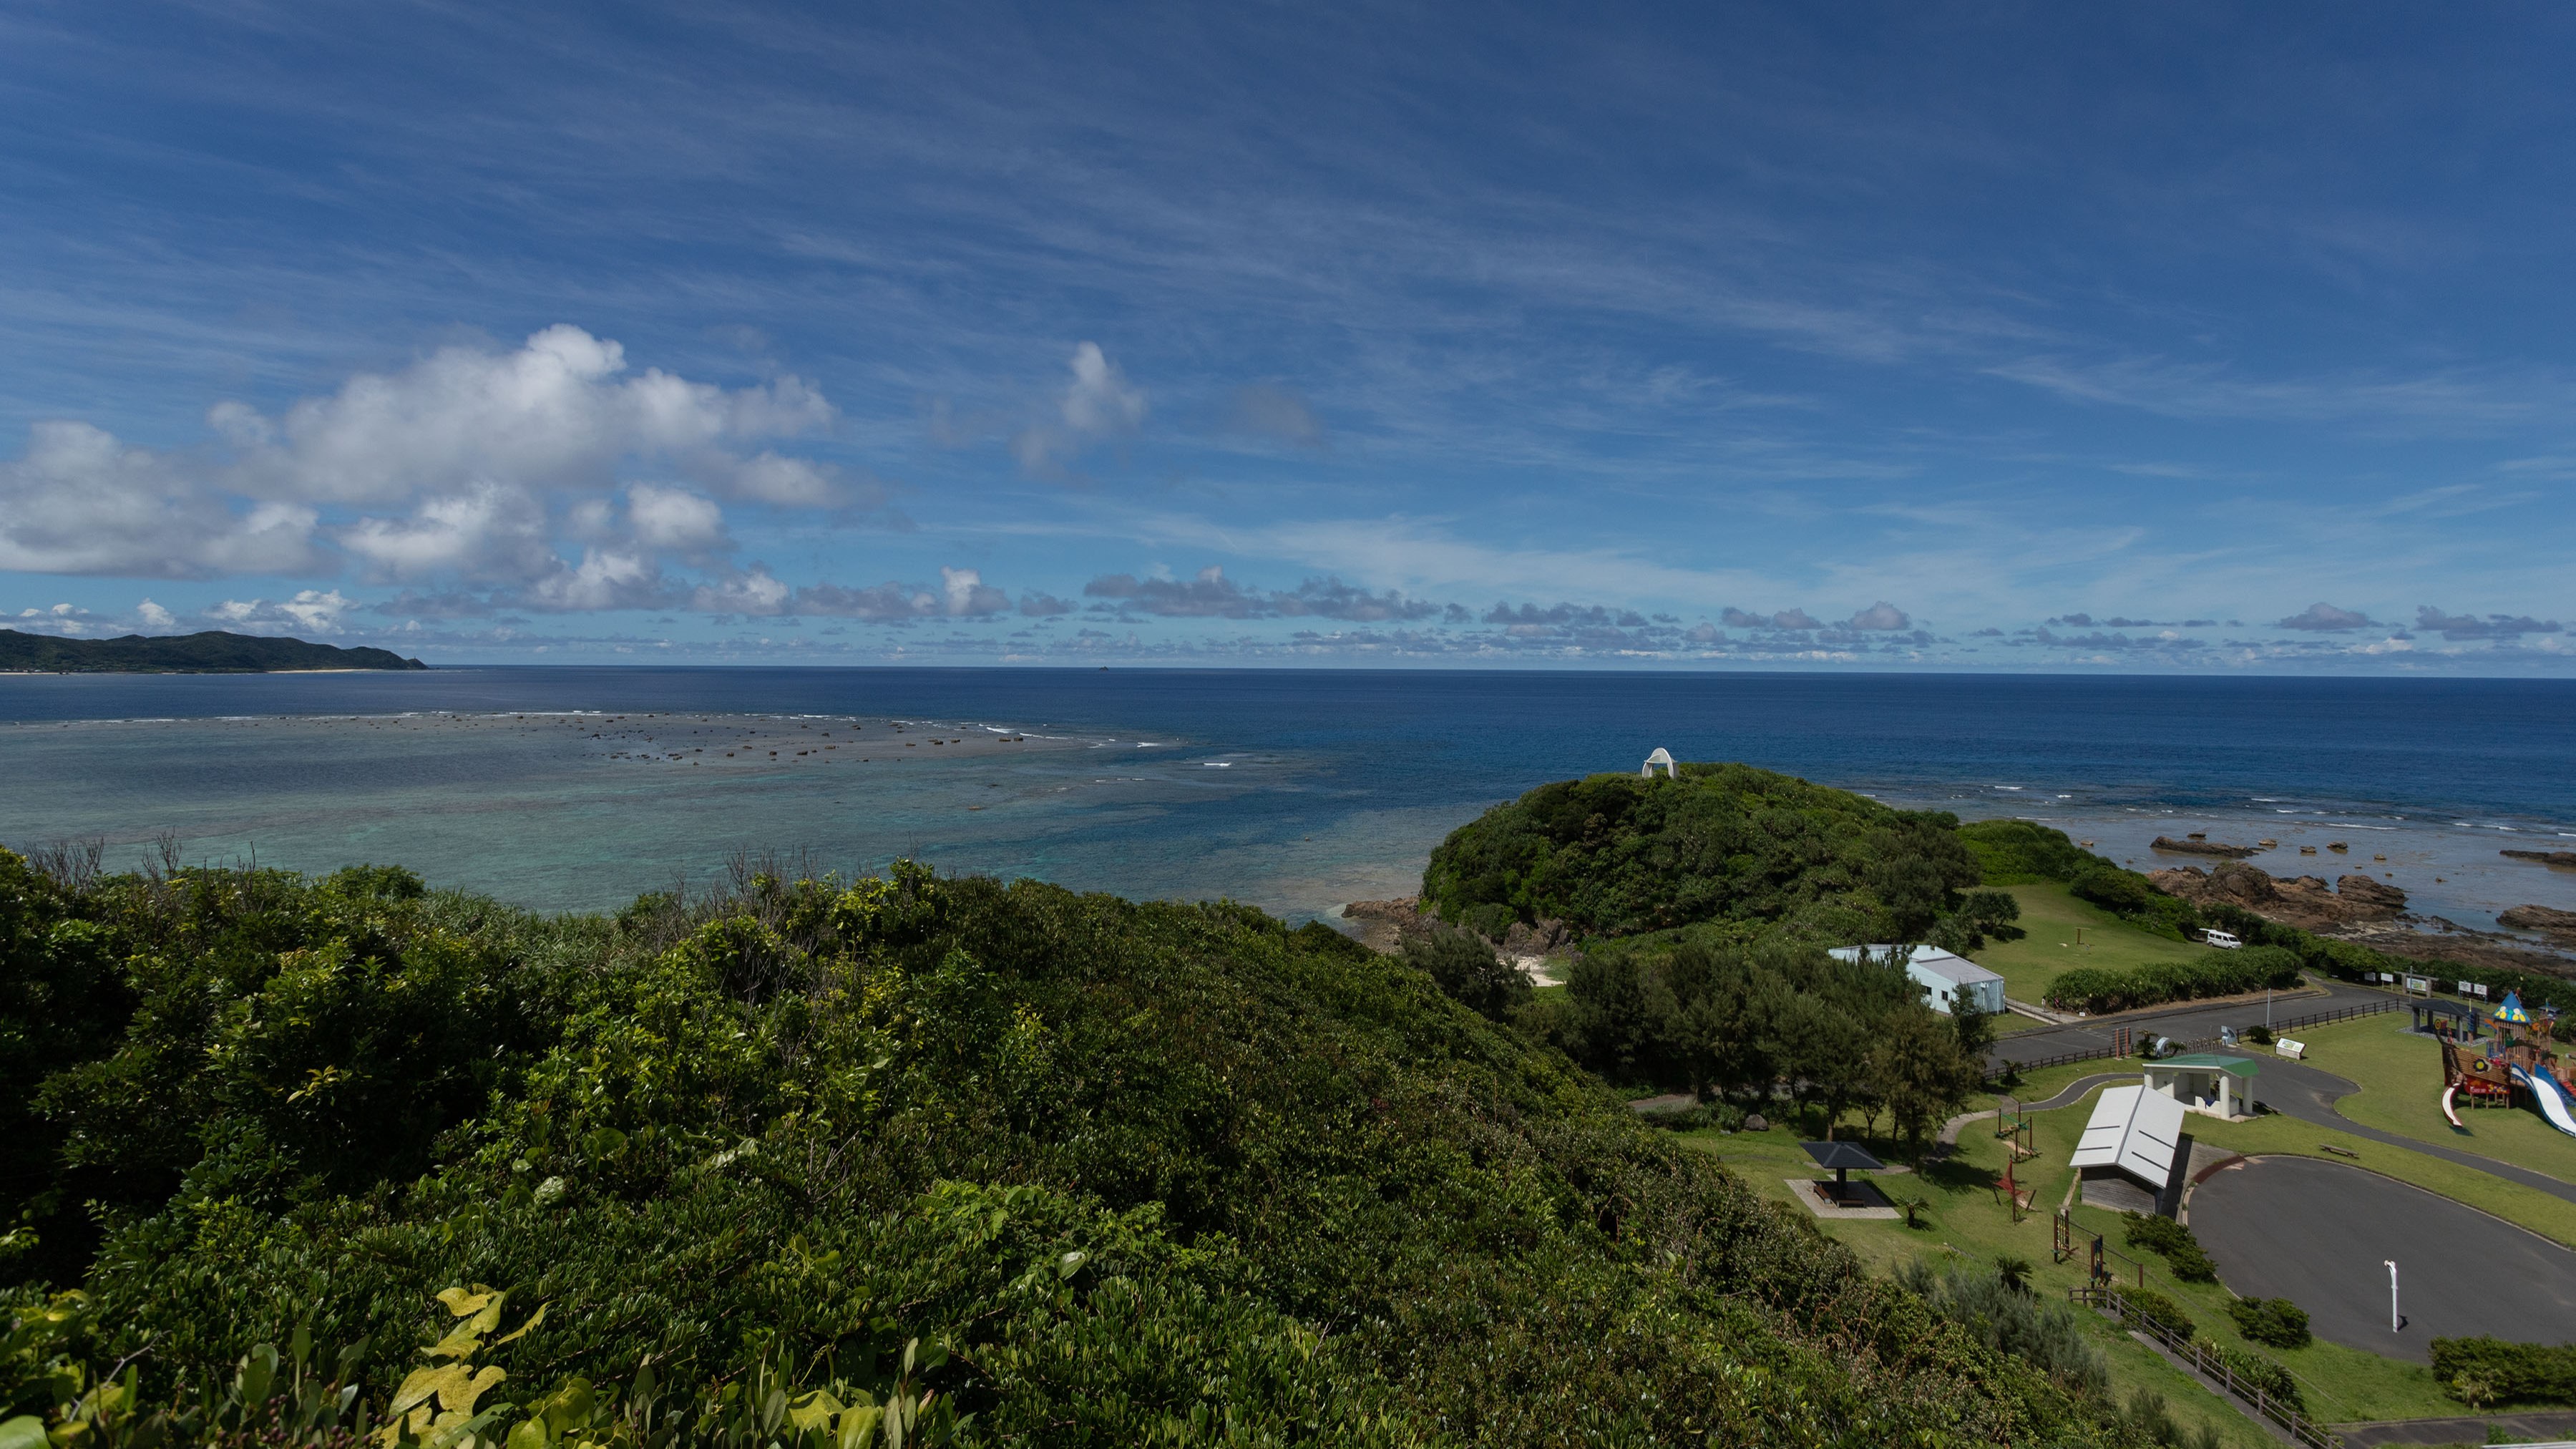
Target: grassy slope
{"points": [[2400, 1075], [2050, 914]]}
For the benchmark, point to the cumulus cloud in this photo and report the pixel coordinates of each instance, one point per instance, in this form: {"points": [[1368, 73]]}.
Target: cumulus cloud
{"points": [[1784, 619], [1098, 403], [1267, 410], [154, 616], [1881, 617], [2087, 621], [2494, 626], [80, 502], [1558, 616], [465, 467], [1046, 606], [2322, 618], [1211, 595], [310, 611], [560, 410], [674, 519]]}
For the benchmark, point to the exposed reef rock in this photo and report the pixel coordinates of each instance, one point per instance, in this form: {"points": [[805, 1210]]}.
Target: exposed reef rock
{"points": [[2203, 847], [1384, 926], [2369, 911], [2540, 918], [2545, 857]]}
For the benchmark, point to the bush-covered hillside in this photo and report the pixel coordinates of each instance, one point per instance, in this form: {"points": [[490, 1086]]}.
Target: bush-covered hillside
{"points": [[1121, 1173], [1748, 851]]}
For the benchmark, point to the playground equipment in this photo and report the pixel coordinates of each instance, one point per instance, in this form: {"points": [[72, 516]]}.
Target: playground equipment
{"points": [[2489, 1071]]}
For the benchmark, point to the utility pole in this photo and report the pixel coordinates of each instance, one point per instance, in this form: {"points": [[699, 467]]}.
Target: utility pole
{"points": [[2393, 1319]]}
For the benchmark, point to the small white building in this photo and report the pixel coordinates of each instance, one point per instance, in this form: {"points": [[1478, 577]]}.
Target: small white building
{"points": [[1663, 757], [1949, 978], [2127, 1154], [2213, 1086]]}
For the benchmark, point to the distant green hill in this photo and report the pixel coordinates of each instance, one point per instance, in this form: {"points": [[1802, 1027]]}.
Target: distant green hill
{"points": [[213, 652]]}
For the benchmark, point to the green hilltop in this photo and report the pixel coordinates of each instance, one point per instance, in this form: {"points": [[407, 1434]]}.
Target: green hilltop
{"points": [[211, 652]]}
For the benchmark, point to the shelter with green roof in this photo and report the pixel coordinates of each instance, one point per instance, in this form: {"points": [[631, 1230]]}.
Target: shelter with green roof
{"points": [[2204, 1082]]}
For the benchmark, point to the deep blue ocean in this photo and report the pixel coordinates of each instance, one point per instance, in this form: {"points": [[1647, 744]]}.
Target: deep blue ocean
{"points": [[1295, 790]]}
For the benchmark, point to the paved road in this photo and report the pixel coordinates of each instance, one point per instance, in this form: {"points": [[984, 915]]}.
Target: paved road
{"points": [[2295, 1089], [2186, 1022], [2316, 1233], [2525, 1428]]}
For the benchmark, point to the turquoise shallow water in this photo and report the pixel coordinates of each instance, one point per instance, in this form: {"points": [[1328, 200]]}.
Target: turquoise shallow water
{"points": [[1294, 791]]}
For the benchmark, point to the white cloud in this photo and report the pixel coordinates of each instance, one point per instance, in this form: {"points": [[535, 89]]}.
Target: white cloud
{"points": [[1098, 403], [487, 532], [559, 411], [311, 611], [968, 595], [154, 616], [674, 518], [1881, 615], [80, 502]]}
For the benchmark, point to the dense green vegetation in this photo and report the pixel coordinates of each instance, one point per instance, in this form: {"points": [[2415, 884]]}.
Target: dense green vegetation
{"points": [[1744, 853], [212, 652], [1021, 1165], [2191, 1262], [2277, 1322]]}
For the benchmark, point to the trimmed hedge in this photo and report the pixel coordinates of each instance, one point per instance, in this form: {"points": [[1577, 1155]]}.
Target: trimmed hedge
{"points": [[2216, 973], [2486, 1370], [2149, 1304]]}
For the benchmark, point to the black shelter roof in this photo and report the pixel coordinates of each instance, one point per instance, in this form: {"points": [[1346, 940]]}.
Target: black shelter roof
{"points": [[1843, 1156]]}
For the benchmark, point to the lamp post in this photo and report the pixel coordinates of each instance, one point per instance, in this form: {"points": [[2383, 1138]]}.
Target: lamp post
{"points": [[2393, 1319]]}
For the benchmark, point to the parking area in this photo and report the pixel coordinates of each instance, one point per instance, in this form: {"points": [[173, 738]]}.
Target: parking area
{"points": [[2319, 1233]]}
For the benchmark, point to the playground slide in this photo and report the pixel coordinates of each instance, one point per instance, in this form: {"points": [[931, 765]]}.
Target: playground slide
{"points": [[2447, 1094], [2552, 1098]]}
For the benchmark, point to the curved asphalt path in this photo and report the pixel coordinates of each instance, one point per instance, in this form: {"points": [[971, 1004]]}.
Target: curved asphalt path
{"points": [[2295, 1089], [2188, 1022], [2316, 1232]]}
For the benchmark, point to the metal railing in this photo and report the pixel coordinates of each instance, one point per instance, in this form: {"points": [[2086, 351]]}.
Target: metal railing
{"points": [[2213, 1367], [2121, 1044]]}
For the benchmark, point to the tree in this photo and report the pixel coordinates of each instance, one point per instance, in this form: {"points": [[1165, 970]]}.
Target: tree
{"points": [[1918, 1067], [1468, 970]]}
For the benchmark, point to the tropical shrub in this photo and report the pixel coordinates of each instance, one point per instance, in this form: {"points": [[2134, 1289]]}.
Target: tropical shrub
{"points": [[2049, 1336], [2277, 1322], [2182, 1250], [2147, 1303], [2212, 973]]}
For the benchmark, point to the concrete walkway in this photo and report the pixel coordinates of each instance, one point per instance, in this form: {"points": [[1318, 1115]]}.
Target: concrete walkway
{"points": [[2067, 1096], [2529, 1428]]}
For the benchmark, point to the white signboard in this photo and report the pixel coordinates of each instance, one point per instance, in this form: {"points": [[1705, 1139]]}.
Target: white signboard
{"points": [[2420, 985], [2291, 1049]]}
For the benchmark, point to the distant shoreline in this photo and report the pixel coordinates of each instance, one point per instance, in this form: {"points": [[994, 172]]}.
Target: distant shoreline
{"points": [[211, 652]]}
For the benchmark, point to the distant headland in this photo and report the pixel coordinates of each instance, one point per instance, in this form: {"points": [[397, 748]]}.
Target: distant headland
{"points": [[212, 652]]}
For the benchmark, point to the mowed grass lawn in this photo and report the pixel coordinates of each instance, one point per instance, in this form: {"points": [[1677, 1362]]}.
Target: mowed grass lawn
{"points": [[2400, 1075], [2051, 915]]}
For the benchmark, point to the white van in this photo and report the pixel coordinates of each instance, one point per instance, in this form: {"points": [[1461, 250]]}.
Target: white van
{"points": [[2223, 940]]}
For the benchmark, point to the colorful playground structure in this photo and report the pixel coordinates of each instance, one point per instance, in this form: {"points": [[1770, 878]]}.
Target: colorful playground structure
{"points": [[2490, 1069]]}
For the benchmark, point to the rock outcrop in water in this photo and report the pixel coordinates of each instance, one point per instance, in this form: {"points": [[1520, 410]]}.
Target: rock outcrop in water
{"points": [[2540, 918], [2305, 901], [2203, 847], [2545, 857]]}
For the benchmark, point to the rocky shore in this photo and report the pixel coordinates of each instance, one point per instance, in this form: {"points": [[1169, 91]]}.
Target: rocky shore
{"points": [[1542, 951], [2372, 912]]}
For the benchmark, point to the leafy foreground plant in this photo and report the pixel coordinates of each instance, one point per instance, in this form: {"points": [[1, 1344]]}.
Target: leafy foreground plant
{"points": [[1040, 1168]]}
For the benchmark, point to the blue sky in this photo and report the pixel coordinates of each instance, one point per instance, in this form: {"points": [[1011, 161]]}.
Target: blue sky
{"points": [[1997, 336]]}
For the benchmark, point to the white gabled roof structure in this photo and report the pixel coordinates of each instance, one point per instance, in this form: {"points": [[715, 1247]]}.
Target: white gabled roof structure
{"points": [[2134, 1130]]}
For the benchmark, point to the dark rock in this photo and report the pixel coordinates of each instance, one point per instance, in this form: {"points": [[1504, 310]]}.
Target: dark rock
{"points": [[2545, 857], [2172, 846], [2540, 918], [2375, 895]]}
